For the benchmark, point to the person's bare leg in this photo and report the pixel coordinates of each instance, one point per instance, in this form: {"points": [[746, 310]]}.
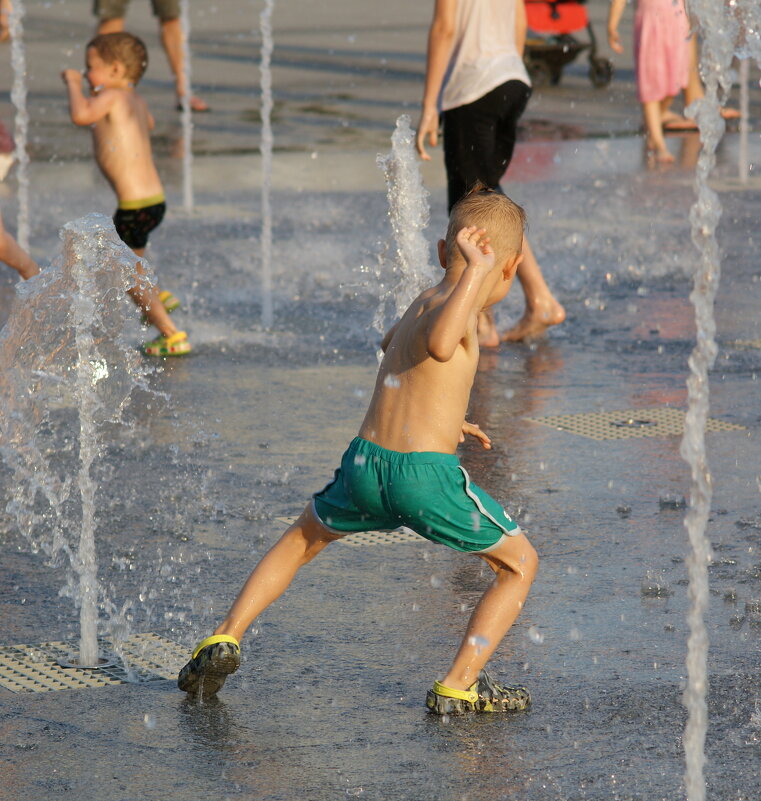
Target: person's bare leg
{"points": [[656, 142], [514, 564], [171, 39], [271, 577], [115, 25], [542, 307], [15, 256], [695, 90], [147, 299]]}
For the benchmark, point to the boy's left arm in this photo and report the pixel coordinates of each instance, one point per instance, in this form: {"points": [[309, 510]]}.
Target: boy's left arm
{"points": [[474, 430], [85, 110]]}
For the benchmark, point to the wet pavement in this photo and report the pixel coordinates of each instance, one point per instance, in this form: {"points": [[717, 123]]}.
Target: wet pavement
{"points": [[328, 702]]}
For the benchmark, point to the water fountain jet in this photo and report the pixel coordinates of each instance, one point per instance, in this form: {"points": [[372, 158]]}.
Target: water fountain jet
{"points": [[21, 131], [265, 70], [63, 353], [721, 28]]}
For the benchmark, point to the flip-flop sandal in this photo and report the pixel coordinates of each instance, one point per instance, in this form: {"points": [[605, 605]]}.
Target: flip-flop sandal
{"points": [[213, 660], [174, 345]]}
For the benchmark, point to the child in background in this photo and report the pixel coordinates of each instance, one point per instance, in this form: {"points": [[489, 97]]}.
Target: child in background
{"points": [[402, 468], [121, 125], [662, 63], [14, 255]]}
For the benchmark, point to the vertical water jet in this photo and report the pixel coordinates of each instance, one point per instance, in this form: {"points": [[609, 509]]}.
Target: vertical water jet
{"points": [[265, 147], [21, 130]]}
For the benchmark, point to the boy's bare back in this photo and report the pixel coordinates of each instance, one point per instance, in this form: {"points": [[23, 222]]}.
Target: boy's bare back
{"points": [[122, 146], [423, 386]]}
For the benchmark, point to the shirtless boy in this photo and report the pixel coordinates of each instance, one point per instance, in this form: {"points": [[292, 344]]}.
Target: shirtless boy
{"points": [[402, 469], [121, 126]]}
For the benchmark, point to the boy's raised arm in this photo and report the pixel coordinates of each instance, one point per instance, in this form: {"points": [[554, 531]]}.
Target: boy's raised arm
{"points": [[85, 110], [452, 320]]}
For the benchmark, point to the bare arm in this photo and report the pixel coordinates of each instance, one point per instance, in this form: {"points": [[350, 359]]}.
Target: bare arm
{"points": [[452, 320], [440, 38], [86, 110], [615, 13], [520, 27]]}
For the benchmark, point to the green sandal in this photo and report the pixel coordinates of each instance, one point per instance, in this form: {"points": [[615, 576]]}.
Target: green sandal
{"points": [[484, 695], [213, 660], [174, 345]]}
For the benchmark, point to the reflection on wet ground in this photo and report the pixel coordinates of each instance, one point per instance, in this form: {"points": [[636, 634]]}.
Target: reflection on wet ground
{"points": [[328, 702]]}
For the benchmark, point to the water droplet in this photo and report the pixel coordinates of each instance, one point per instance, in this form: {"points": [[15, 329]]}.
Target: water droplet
{"points": [[391, 381], [535, 635], [574, 634], [149, 721], [478, 642], [435, 582]]}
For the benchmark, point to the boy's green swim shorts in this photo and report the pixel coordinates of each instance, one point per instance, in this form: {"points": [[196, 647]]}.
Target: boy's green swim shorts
{"points": [[431, 493]]}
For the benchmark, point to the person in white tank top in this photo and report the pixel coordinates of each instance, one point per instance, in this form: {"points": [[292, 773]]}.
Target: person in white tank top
{"points": [[477, 85]]}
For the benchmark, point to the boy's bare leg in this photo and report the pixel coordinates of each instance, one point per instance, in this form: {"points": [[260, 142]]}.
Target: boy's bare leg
{"points": [[514, 563], [542, 307], [171, 39], [147, 299], [271, 577], [15, 256]]}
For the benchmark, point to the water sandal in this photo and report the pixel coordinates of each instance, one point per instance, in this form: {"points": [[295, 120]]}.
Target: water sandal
{"points": [[168, 301], [484, 695], [213, 660], [175, 345]]}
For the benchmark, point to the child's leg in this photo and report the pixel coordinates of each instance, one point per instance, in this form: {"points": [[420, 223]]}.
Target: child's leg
{"points": [[542, 307], [514, 562], [15, 256], [148, 300], [656, 142], [271, 577]]}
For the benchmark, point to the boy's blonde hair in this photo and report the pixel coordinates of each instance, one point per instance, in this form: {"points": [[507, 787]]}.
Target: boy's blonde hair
{"points": [[124, 48], [503, 220]]}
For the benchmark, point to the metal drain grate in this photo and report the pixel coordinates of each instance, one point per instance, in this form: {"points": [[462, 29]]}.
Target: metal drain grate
{"points": [[35, 668], [398, 535], [663, 421]]}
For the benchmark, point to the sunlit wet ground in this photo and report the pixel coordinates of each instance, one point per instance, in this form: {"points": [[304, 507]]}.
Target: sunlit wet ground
{"points": [[329, 700]]}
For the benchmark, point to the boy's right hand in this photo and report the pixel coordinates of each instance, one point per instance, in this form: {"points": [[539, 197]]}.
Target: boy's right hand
{"points": [[475, 247]]}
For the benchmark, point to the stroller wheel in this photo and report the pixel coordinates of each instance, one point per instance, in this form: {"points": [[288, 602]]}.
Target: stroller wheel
{"points": [[600, 72]]}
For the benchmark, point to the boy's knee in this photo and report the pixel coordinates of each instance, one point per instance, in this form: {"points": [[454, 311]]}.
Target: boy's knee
{"points": [[516, 555]]}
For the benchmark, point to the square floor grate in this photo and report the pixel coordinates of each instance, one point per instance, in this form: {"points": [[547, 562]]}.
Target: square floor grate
{"points": [[398, 535], [35, 668], [663, 421]]}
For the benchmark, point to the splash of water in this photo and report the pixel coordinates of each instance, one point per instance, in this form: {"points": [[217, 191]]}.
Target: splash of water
{"points": [[63, 356], [726, 29], [409, 212], [187, 113], [265, 71], [18, 96]]}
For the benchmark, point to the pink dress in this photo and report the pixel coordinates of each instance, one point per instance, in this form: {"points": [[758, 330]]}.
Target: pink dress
{"points": [[661, 49]]}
